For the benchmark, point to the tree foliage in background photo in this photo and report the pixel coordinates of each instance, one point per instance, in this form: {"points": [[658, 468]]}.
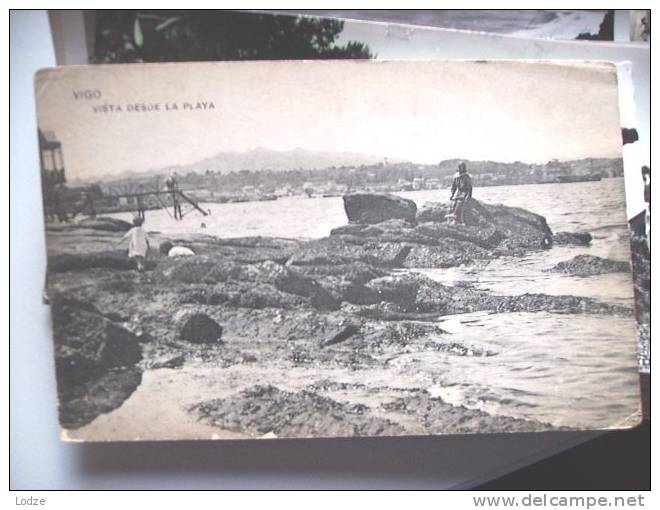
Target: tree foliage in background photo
{"points": [[175, 36]]}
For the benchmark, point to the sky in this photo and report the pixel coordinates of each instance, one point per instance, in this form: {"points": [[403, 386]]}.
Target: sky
{"points": [[423, 111]]}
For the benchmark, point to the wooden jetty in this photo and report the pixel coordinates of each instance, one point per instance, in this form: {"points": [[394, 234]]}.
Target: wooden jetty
{"points": [[63, 203], [173, 199]]}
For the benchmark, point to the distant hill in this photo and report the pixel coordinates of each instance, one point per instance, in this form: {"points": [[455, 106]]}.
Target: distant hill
{"points": [[262, 159], [259, 159], [324, 165]]}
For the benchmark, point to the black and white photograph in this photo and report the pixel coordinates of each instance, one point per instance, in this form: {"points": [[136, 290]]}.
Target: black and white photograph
{"points": [[331, 248]]}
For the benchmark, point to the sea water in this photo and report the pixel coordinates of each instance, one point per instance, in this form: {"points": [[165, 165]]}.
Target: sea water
{"points": [[575, 370]]}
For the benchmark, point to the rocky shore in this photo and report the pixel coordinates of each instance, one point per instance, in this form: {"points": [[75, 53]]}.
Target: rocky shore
{"points": [[589, 265], [346, 302]]}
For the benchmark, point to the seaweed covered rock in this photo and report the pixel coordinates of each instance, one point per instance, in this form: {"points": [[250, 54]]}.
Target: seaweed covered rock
{"points": [[340, 336], [489, 231], [438, 417], [341, 250], [488, 237], [244, 295], [378, 207], [263, 409], [354, 272], [237, 250], [118, 260], [393, 289], [96, 361], [290, 281], [346, 282], [197, 269], [434, 299], [249, 250], [81, 404], [432, 242], [105, 223], [589, 265], [521, 229], [445, 253], [87, 344], [572, 238]]}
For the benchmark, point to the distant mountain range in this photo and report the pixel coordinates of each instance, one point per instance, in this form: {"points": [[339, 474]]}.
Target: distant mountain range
{"points": [[259, 159], [303, 159]]}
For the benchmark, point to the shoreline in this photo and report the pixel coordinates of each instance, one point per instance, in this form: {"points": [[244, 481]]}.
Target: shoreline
{"points": [[334, 305]]}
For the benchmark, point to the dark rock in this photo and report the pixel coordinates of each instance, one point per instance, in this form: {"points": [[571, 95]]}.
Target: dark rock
{"points": [[95, 362], [165, 247], [254, 249], [198, 328], [265, 296], [359, 294], [589, 265], [398, 290], [357, 232], [522, 229], [104, 223], [257, 242], [554, 304], [395, 232], [337, 250], [490, 230], [446, 253], [199, 269], [116, 317], [490, 226], [572, 238], [402, 333], [354, 272], [346, 281], [377, 207], [357, 229], [486, 237], [385, 311], [433, 298], [264, 409], [343, 290], [251, 285], [62, 302], [248, 357], [119, 283], [289, 280], [87, 344], [81, 404], [104, 260], [241, 250], [346, 332]]}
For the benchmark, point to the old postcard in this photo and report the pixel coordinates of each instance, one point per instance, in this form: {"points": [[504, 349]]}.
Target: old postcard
{"points": [[337, 248]]}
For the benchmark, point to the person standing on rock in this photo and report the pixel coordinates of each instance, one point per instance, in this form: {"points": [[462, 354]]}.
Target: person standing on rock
{"points": [[461, 191], [138, 243]]}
